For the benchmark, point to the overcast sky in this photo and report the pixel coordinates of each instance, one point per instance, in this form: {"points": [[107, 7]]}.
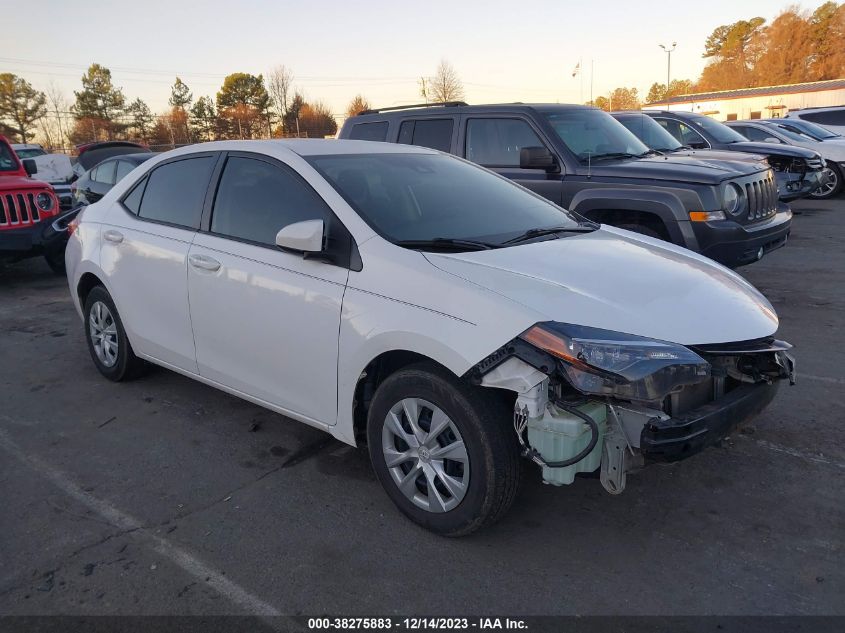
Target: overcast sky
{"points": [[503, 51]]}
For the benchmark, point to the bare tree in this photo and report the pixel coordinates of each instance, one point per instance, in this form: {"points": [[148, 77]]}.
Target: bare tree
{"points": [[358, 104], [444, 86], [280, 87]]}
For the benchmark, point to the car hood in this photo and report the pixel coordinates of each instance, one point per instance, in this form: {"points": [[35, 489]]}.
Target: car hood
{"points": [[673, 167], [722, 155], [21, 182], [621, 281], [770, 149]]}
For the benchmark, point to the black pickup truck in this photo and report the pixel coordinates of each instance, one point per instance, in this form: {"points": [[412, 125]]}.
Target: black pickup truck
{"points": [[584, 160]]}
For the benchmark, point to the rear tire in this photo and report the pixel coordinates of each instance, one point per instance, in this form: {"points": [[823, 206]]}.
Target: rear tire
{"points": [[833, 188], [106, 337], [459, 469]]}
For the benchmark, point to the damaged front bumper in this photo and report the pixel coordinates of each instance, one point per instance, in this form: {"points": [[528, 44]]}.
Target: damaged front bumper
{"points": [[679, 437], [567, 431]]}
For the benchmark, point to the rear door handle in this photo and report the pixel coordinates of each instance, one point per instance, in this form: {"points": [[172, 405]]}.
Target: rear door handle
{"points": [[113, 236], [204, 262]]}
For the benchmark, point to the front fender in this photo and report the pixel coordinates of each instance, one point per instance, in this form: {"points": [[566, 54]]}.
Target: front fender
{"points": [[596, 204]]}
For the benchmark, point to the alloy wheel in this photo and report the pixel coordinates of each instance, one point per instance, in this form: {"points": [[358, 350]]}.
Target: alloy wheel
{"points": [[103, 331], [425, 455], [831, 186]]}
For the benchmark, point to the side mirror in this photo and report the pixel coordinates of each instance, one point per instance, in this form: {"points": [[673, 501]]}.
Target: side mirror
{"points": [[30, 167], [771, 139], [698, 145], [537, 158], [304, 237]]}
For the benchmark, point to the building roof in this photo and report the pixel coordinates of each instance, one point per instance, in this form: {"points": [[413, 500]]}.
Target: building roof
{"points": [[762, 91]]}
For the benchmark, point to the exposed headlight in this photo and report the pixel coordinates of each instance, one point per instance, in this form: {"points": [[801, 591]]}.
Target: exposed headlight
{"points": [[607, 363], [732, 199], [44, 201]]}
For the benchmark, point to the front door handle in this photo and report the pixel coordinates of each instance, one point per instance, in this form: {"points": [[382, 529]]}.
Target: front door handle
{"points": [[113, 236], [204, 262]]}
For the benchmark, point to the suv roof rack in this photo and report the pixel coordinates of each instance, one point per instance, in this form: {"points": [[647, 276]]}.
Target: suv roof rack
{"points": [[445, 104]]}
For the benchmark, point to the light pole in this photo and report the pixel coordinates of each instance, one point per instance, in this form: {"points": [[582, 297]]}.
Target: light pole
{"points": [[668, 62]]}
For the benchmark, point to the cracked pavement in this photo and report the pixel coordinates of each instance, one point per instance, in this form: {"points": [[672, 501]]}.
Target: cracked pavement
{"points": [[164, 496]]}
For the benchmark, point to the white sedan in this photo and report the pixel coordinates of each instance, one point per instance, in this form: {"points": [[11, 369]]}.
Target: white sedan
{"points": [[442, 315]]}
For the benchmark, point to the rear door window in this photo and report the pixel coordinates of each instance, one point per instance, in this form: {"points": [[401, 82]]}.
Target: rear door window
{"points": [[498, 142], [175, 192], [376, 131], [123, 168], [104, 173], [432, 133]]}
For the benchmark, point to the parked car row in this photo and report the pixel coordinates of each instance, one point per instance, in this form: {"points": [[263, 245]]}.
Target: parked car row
{"points": [[830, 147], [728, 207], [32, 229]]}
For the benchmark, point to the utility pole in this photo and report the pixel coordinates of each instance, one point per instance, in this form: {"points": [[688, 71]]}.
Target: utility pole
{"points": [[668, 52]]}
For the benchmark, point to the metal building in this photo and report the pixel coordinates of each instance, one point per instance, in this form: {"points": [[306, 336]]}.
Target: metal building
{"points": [[757, 103]]}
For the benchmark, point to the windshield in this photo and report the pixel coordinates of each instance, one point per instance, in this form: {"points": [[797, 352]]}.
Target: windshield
{"points": [[418, 197], [792, 136], [719, 131], [29, 153], [650, 132], [7, 159], [805, 127], [591, 133]]}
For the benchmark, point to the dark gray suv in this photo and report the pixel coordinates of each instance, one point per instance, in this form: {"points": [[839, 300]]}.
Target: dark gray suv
{"points": [[584, 160]]}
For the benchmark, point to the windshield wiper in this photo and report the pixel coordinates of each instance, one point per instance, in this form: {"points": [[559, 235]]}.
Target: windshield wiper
{"points": [[538, 232], [608, 156], [651, 151], [447, 243]]}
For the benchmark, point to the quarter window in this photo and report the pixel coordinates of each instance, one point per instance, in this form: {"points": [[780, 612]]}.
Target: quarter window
{"points": [[255, 199], [133, 201], [369, 131], [175, 192], [432, 133], [497, 142]]}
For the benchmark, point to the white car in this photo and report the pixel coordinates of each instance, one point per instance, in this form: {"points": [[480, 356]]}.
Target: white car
{"points": [[407, 299], [833, 153], [831, 117]]}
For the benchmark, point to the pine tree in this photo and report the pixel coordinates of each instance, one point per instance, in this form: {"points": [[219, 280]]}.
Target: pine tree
{"points": [[21, 105]]}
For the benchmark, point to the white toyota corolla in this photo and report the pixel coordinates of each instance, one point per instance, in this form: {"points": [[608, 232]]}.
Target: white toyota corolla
{"points": [[443, 315]]}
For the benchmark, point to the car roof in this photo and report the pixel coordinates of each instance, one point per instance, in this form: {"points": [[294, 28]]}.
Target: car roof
{"points": [[302, 147], [136, 158], [435, 110]]}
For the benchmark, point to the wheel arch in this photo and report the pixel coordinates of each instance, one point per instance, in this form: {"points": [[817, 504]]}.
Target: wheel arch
{"points": [[374, 373], [662, 210]]}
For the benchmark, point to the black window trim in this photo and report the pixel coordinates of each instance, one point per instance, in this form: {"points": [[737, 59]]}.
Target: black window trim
{"points": [[211, 196], [517, 117], [146, 178]]}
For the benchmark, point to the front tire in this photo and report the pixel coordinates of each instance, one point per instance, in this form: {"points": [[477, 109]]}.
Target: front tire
{"points": [[56, 261], [834, 185], [106, 337], [443, 450]]}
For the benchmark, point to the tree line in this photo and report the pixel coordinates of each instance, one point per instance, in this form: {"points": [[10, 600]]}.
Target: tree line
{"points": [[797, 46], [246, 107]]}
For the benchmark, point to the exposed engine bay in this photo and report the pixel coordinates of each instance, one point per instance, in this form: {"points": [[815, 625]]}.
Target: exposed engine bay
{"points": [[591, 399]]}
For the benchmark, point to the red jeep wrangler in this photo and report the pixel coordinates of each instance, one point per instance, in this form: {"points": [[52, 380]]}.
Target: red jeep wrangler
{"points": [[25, 206]]}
